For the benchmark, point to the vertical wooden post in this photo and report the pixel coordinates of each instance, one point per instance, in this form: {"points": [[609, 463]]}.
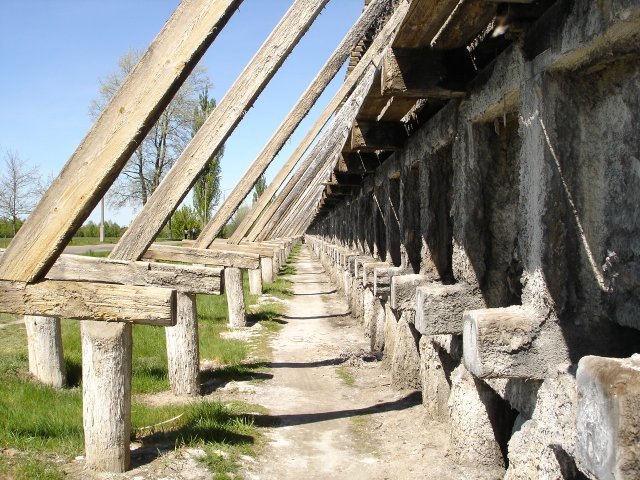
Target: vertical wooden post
{"points": [[235, 297], [106, 392], [266, 267], [44, 340], [183, 353], [255, 281]]}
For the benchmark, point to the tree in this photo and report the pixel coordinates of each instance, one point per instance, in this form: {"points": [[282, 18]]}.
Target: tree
{"points": [[163, 144], [259, 188], [206, 190], [20, 189], [185, 218], [235, 221]]}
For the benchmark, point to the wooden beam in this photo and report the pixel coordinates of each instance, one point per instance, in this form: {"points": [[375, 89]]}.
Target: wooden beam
{"points": [[183, 278], [396, 109], [90, 301], [361, 162], [374, 136], [325, 150], [131, 113], [373, 55], [423, 22], [218, 126], [444, 24], [352, 179], [426, 73], [293, 119], [203, 256]]}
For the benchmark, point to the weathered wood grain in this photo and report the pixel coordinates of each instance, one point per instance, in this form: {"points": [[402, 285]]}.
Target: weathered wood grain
{"points": [[204, 256], [374, 136], [114, 137], [291, 122], [328, 145], [372, 55], [217, 128], [90, 301], [183, 278]]}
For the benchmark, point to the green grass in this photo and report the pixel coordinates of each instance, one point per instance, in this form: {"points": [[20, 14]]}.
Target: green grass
{"points": [[21, 468], [40, 421], [91, 253], [346, 376]]}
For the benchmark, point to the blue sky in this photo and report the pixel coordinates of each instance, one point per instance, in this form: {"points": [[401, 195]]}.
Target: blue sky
{"points": [[54, 51]]}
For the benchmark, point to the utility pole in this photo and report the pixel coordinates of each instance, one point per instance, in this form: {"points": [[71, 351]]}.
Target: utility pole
{"points": [[102, 220]]}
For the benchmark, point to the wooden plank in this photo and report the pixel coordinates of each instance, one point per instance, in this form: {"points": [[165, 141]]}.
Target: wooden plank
{"points": [[423, 22], [95, 164], [373, 55], [396, 109], [426, 73], [327, 146], [443, 24], [374, 136], [361, 162], [293, 119], [262, 250], [202, 256], [90, 301], [220, 124], [183, 278], [298, 199], [220, 244]]}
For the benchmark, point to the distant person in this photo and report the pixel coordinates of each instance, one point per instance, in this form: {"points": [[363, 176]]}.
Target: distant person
{"points": [[193, 233], [186, 233]]}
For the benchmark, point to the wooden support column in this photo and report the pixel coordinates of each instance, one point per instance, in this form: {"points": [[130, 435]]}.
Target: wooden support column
{"points": [[293, 119], [183, 354], [106, 394], [255, 281], [44, 341], [372, 55], [266, 268], [235, 297]]}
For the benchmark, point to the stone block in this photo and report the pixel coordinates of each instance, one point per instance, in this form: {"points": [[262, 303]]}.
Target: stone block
{"points": [[403, 291], [435, 381], [608, 417], [439, 308], [405, 365], [511, 342], [474, 409]]}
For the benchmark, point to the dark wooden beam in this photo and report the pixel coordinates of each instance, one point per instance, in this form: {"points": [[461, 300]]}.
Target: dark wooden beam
{"points": [[347, 178], [396, 109], [426, 73], [360, 162], [373, 136]]}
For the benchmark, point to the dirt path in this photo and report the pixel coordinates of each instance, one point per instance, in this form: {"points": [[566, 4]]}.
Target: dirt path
{"points": [[327, 426]]}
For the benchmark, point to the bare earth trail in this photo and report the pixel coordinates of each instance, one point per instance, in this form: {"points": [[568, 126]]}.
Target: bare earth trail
{"points": [[325, 428]]}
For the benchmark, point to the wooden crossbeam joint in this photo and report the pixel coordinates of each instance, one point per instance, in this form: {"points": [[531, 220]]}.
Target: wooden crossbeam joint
{"points": [[90, 301], [373, 136]]}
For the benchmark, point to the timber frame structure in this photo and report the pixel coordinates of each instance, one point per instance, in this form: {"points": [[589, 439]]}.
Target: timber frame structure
{"points": [[469, 192]]}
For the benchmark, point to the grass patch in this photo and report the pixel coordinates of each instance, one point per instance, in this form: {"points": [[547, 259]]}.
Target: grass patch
{"points": [[92, 253], [20, 468], [346, 376], [40, 421]]}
